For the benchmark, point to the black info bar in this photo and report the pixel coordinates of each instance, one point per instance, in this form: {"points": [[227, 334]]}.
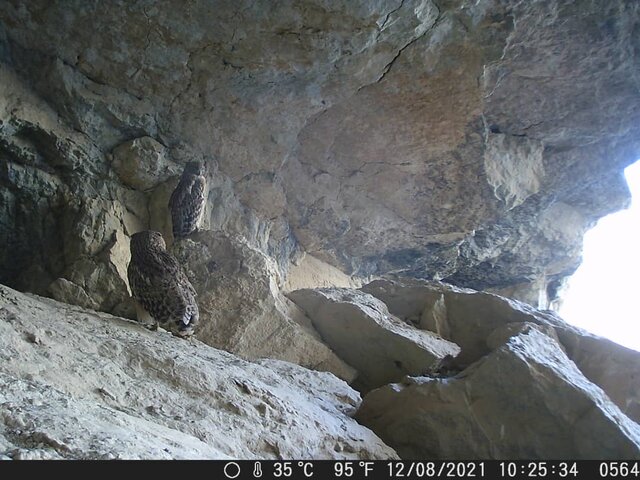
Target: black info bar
{"points": [[350, 469]]}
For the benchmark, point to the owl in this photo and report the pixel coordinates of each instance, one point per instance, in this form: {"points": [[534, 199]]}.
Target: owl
{"points": [[187, 200], [160, 286]]}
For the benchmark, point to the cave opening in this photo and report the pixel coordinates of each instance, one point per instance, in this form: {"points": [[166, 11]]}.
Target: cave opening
{"points": [[602, 295]]}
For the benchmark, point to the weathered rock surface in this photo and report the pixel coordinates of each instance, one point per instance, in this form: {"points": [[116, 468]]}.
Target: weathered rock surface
{"points": [[611, 366], [359, 328], [467, 141], [242, 309], [157, 396], [463, 316], [142, 163], [311, 272], [41, 422], [474, 321], [66, 219], [526, 400], [471, 142], [66, 234]]}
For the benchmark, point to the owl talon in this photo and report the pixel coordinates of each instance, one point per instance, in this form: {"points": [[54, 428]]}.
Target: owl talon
{"points": [[186, 334]]}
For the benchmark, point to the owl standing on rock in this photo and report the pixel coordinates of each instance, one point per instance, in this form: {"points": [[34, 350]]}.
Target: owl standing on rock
{"points": [[160, 286], [187, 200]]}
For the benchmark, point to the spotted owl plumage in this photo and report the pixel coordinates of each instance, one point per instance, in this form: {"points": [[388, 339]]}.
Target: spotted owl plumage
{"points": [[187, 200], [160, 286]]}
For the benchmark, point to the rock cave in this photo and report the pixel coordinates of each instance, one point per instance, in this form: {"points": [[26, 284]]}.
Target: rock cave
{"points": [[395, 190]]}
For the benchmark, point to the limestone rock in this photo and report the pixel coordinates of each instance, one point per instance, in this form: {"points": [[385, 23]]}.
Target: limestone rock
{"points": [[463, 316], [536, 293], [36, 419], [409, 300], [193, 400], [142, 163], [241, 307], [471, 142], [359, 328], [263, 193], [525, 400], [101, 275], [32, 151], [58, 220], [378, 132], [159, 213], [311, 272], [68, 292], [611, 366], [473, 320], [514, 168]]}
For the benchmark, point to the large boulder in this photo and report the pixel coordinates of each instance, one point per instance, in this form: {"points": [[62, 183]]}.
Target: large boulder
{"points": [[470, 319], [525, 400], [464, 316], [195, 401], [242, 309], [142, 163], [359, 328], [611, 366]]}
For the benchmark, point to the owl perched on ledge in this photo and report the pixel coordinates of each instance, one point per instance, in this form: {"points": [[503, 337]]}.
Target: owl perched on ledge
{"points": [[160, 286], [187, 200]]}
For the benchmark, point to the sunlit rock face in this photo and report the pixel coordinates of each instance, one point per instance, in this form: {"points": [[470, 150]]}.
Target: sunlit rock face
{"points": [[467, 141], [474, 375], [524, 400], [360, 329], [479, 322], [158, 397]]}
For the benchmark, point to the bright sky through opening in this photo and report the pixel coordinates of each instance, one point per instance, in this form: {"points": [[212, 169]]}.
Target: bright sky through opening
{"points": [[604, 293]]}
